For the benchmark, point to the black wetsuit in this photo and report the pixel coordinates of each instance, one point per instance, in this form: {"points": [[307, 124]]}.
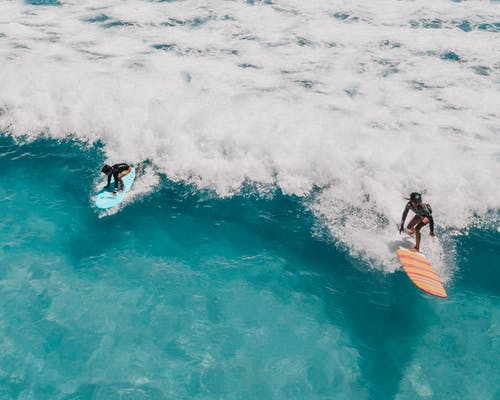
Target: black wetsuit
{"points": [[115, 171], [423, 211]]}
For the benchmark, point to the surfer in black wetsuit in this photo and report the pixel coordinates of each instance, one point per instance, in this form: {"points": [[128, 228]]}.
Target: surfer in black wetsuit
{"points": [[117, 171], [423, 216]]}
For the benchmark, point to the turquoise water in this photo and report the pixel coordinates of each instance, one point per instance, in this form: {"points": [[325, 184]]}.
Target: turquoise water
{"points": [[185, 295], [254, 258]]}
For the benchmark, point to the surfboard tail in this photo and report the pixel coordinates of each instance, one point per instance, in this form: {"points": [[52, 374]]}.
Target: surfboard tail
{"points": [[421, 272]]}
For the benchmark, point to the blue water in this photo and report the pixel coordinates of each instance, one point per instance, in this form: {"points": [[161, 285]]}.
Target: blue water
{"points": [[254, 259], [185, 295]]}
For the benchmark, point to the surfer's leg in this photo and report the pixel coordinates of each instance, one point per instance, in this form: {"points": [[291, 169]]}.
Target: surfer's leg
{"points": [[411, 226], [122, 174], [421, 224], [126, 172]]}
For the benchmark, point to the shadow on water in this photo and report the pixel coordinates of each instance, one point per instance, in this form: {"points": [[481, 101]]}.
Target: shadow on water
{"points": [[380, 310], [405, 242]]}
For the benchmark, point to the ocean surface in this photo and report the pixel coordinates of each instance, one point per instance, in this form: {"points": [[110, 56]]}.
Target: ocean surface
{"points": [[254, 257]]}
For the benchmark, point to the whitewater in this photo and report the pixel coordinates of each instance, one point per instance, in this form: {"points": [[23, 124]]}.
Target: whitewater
{"points": [[334, 110], [362, 100]]}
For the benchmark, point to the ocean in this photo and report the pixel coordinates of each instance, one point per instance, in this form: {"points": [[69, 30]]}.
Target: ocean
{"points": [[254, 257]]}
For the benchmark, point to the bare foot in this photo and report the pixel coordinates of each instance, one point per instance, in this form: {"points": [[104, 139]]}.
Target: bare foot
{"points": [[415, 250]]}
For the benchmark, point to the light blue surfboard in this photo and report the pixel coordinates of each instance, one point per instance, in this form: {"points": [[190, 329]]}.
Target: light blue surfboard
{"points": [[105, 198]]}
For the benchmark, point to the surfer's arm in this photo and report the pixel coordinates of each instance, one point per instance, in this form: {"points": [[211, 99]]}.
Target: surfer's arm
{"points": [[109, 181], [428, 214], [403, 219], [431, 224]]}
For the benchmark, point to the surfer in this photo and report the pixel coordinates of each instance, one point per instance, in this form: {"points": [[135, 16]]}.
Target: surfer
{"points": [[117, 171], [423, 216]]}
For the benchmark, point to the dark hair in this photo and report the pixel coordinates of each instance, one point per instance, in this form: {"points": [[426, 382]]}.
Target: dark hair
{"points": [[106, 169], [416, 197]]}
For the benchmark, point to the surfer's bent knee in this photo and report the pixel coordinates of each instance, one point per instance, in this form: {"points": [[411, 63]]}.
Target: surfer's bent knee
{"points": [[126, 172], [414, 221], [424, 221]]}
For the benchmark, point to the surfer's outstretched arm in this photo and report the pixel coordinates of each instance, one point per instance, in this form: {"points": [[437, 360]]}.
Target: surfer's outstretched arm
{"points": [[403, 218], [431, 225], [109, 181]]}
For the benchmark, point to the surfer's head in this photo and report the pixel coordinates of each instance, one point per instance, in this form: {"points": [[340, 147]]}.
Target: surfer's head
{"points": [[416, 198], [106, 169]]}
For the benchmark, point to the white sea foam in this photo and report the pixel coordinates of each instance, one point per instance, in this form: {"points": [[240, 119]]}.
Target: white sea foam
{"points": [[362, 101]]}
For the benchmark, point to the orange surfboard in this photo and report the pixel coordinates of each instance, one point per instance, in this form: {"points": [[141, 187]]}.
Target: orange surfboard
{"points": [[421, 273]]}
